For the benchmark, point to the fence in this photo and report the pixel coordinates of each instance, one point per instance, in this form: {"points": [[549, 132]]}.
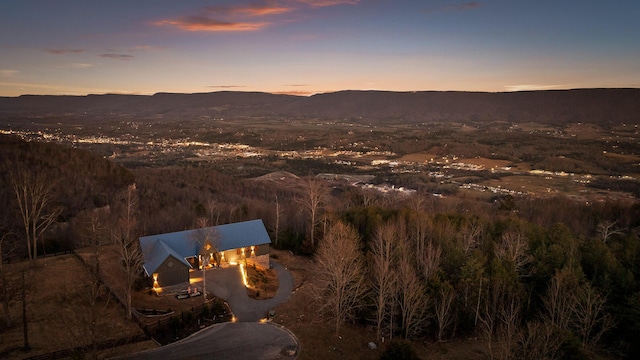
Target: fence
{"points": [[181, 325], [15, 259], [99, 279]]}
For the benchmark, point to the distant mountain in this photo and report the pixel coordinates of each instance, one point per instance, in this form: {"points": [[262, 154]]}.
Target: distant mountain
{"points": [[604, 106]]}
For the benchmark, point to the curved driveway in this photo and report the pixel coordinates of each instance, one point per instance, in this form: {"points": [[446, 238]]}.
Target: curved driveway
{"points": [[230, 341], [245, 339], [226, 283]]}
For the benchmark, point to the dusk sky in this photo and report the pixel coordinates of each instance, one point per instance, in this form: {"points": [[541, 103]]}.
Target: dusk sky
{"points": [[79, 47]]}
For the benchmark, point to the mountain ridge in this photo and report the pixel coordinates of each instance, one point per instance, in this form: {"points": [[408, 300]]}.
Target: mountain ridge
{"points": [[596, 105]]}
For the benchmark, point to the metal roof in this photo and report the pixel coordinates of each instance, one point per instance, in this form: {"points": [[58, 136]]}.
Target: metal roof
{"points": [[184, 244]]}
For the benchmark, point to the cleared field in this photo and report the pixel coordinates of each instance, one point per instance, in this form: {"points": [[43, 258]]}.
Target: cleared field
{"points": [[554, 185], [585, 131], [418, 157], [538, 185], [533, 127], [623, 158], [487, 163]]}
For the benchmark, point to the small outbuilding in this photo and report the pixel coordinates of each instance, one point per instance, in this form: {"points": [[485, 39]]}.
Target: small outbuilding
{"points": [[168, 258]]}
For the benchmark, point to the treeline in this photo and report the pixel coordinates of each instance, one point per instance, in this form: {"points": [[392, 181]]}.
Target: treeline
{"points": [[75, 181], [532, 286], [629, 185]]}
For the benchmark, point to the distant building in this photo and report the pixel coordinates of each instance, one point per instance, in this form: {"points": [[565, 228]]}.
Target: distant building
{"points": [[168, 258]]}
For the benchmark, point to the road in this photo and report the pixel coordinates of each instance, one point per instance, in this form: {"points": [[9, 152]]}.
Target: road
{"points": [[230, 341]]}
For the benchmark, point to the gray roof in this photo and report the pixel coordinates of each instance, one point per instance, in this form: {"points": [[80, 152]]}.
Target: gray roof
{"points": [[184, 244]]}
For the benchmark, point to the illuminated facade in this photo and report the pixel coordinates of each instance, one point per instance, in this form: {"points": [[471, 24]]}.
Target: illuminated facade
{"points": [[170, 257]]}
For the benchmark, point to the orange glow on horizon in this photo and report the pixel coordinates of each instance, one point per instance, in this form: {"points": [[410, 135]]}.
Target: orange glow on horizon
{"points": [[209, 25]]}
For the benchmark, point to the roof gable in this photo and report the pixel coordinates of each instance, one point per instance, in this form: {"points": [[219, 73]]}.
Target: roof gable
{"points": [[158, 254]]}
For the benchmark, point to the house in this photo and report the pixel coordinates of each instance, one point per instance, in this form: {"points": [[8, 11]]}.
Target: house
{"points": [[168, 258]]}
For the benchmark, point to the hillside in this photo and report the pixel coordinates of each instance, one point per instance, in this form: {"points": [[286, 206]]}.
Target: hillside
{"points": [[80, 179], [602, 106]]}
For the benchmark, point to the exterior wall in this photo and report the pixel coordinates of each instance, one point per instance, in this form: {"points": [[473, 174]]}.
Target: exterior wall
{"points": [[259, 251], [262, 249], [230, 256], [172, 272], [260, 261]]}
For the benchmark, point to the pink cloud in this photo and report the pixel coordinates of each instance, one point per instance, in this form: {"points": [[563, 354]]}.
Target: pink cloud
{"points": [[117, 56], [255, 10], [63, 51], [325, 3], [456, 7], [200, 23], [244, 17]]}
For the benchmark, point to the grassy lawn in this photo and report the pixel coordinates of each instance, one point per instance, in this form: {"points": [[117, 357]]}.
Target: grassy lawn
{"points": [[59, 312]]}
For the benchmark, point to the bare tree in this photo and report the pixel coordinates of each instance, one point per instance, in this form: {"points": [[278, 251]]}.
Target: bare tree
{"points": [[417, 203], [488, 323], [495, 306], [276, 231], [589, 318], [514, 248], [369, 197], [7, 288], [443, 301], [340, 272], [607, 229], [470, 234], [25, 322], [429, 259], [213, 209], [418, 227], [207, 233], [509, 321], [411, 293], [538, 341], [559, 299], [126, 240], [34, 193], [92, 230], [382, 272], [314, 196]]}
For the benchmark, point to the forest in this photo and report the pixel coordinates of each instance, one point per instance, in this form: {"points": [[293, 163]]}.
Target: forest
{"points": [[534, 277]]}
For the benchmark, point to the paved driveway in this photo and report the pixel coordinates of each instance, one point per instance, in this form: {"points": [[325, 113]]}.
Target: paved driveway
{"points": [[226, 283], [230, 341], [245, 339]]}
